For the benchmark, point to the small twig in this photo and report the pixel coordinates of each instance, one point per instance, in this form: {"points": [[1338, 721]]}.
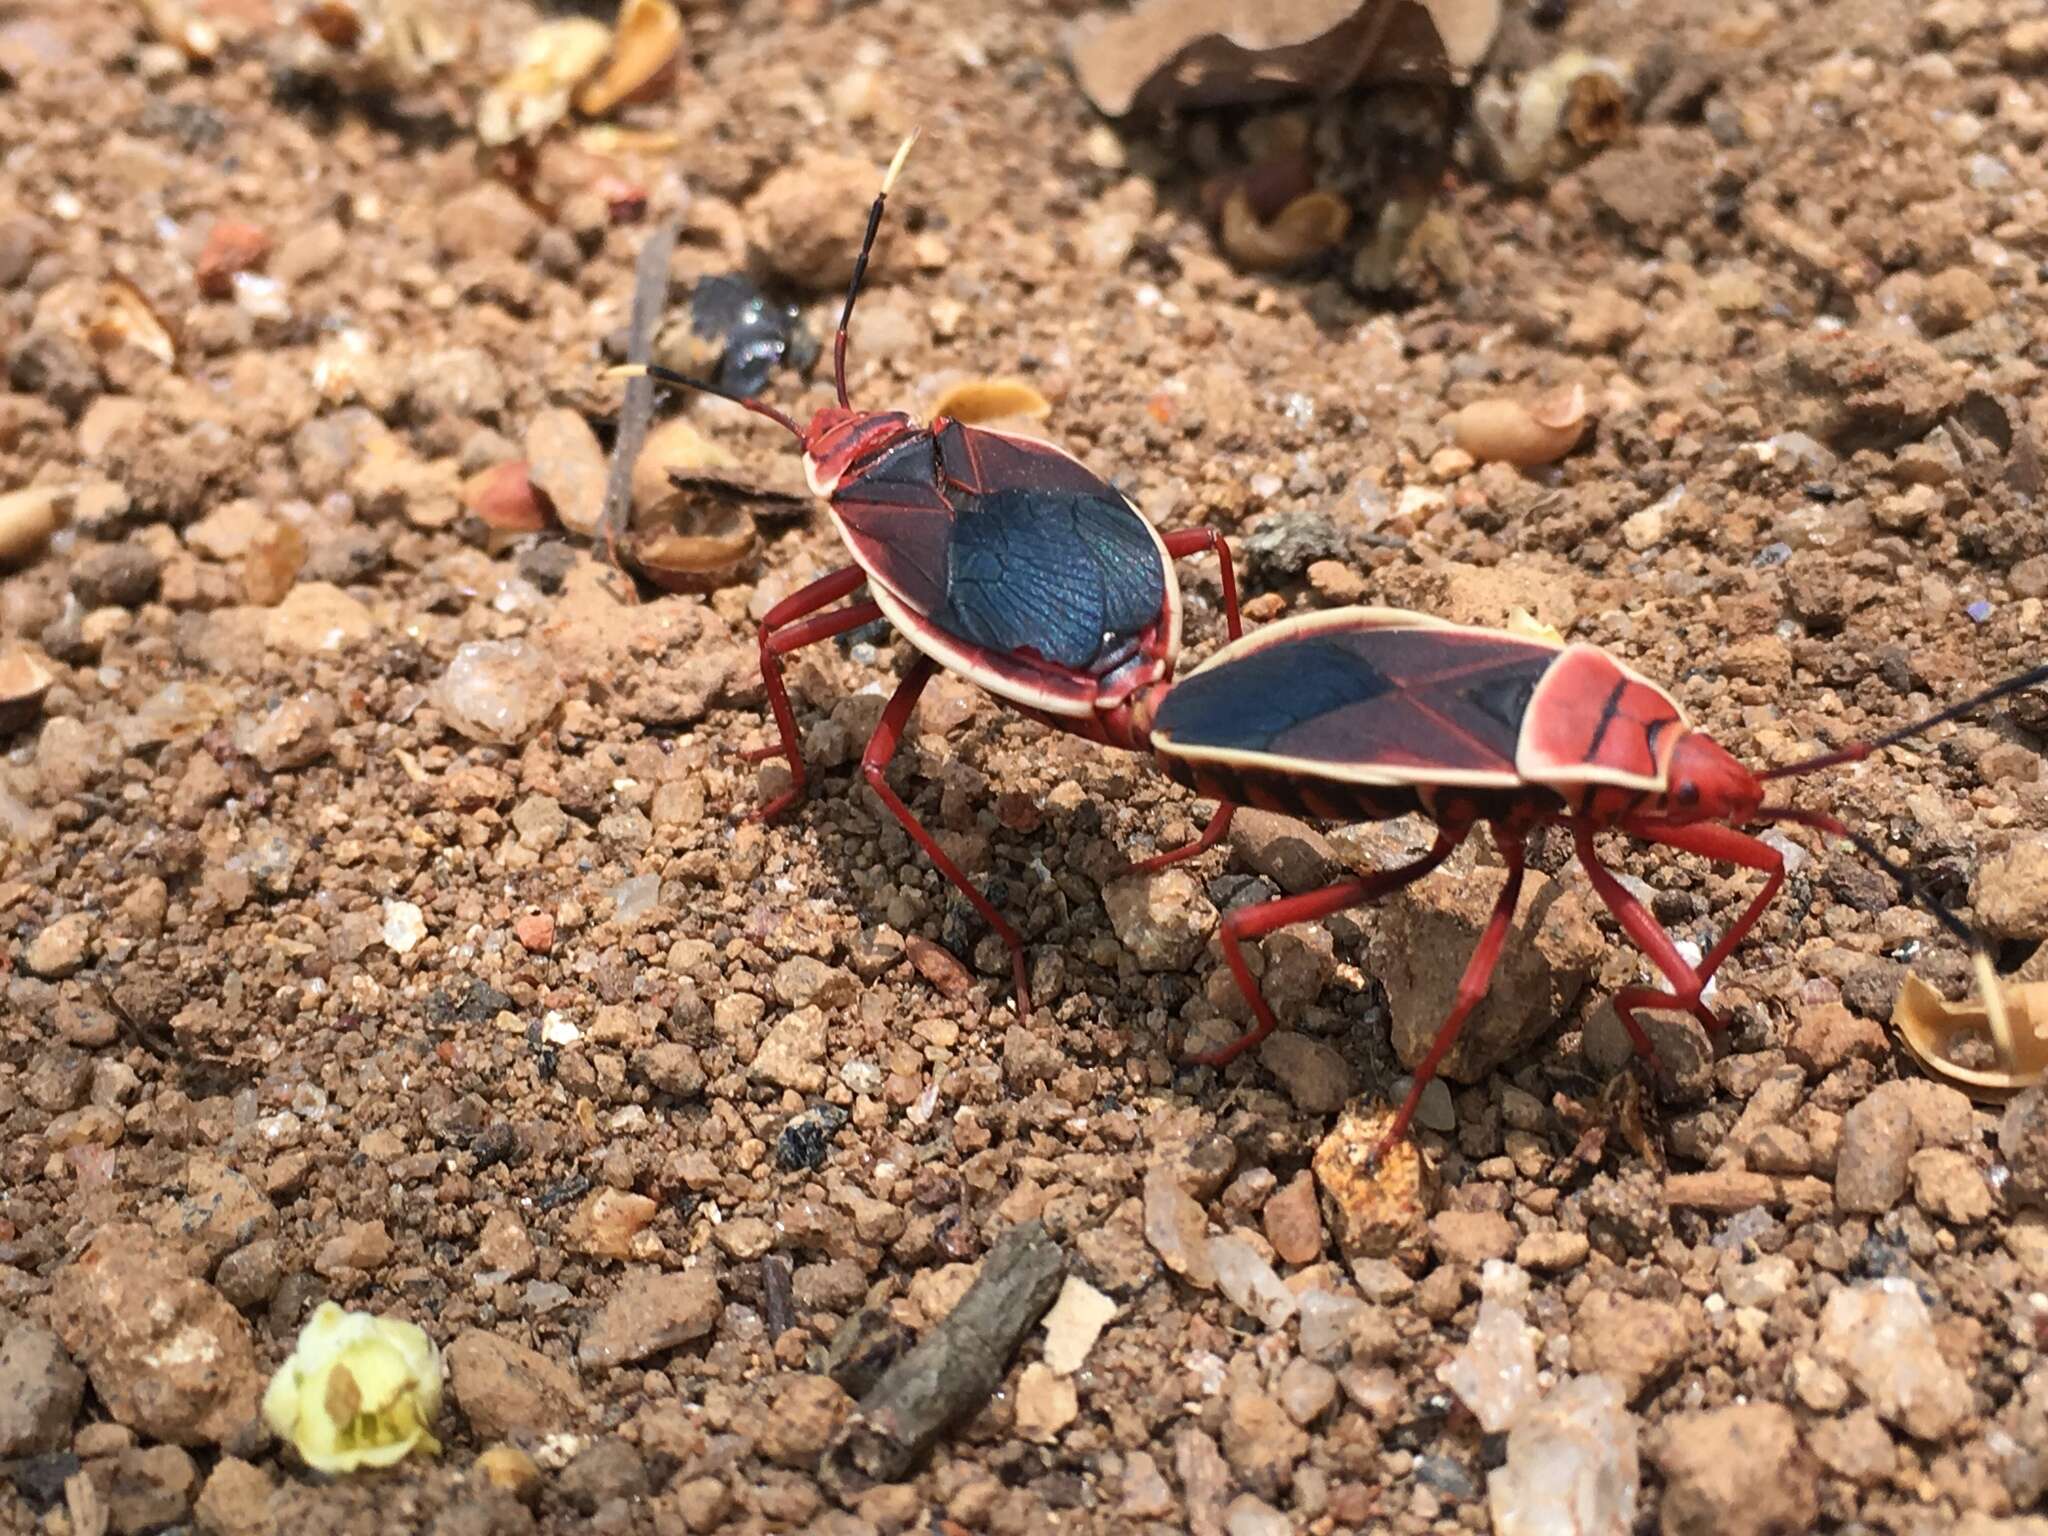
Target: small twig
{"points": [[778, 1303], [636, 411], [956, 1366]]}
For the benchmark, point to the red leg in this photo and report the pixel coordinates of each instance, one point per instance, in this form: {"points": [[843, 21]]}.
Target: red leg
{"points": [[875, 763], [1471, 988], [1212, 834], [1730, 847], [788, 626], [1183, 542], [1254, 922], [1687, 984]]}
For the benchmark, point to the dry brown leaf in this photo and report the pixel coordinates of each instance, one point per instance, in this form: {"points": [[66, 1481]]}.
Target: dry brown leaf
{"points": [[1303, 230], [975, 401], [648, 38], [1175, 54], [1937, 1031], [553, 59]]}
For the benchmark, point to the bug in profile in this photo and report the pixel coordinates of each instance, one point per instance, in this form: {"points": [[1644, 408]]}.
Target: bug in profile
{"points": [[999, 557], [1367, 714]]}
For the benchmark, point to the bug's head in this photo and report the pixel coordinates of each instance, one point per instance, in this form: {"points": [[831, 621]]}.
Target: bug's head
{"points": [[837, 439], [1704, 782]]}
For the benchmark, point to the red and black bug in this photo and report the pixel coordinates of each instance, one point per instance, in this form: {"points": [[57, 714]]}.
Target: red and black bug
{"points": [[998, 557], [1366, 714]]}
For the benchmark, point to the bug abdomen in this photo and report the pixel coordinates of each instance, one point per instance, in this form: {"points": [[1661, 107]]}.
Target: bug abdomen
{"points": [[1290, 794]]}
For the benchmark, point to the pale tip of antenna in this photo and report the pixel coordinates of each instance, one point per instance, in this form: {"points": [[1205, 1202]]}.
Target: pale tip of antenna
{"points": [[896, 165], [625, 371], [1995, 1015]]}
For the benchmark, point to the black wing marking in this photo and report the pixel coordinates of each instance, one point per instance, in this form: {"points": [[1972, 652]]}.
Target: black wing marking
{"points": [[1069, 578], [1252, 703], [1414, 702]]}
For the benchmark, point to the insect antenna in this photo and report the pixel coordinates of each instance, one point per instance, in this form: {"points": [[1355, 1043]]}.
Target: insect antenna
{"points": [[1857, 751], [669, 376], [1910, 887], [860, 267]]}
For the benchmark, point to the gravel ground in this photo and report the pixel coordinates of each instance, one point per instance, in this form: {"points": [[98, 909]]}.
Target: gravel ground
{"points": [[380, 925]]}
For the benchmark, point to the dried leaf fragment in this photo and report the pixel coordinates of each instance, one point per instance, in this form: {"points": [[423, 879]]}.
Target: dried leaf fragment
{"points": [[553, 59], [1505, 431], [974, 401], [1943, 1035], [1307, 227], [648, 37]]}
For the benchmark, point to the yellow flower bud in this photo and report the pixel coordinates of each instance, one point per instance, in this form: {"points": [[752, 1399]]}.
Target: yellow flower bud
{"points": [[358, 1391]]}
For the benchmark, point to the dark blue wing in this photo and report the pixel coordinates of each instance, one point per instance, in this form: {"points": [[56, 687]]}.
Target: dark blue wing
{"points": [[1410, 701], [1070, 577]]}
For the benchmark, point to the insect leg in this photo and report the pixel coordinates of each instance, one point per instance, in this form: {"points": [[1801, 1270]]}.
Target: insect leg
{"points": [[1183, 542], [1471, 990], [1212, 834], [1686, 983], [1730, 847], [781, 632], [1255, 922], [874, 763]]}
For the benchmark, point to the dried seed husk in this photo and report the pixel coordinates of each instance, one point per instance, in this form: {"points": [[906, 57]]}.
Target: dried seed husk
{"points": [[1933, 1029], [977, 401], [553, 59], [1553, 119], [674, 447], [337, 23], [567, 465], [698, 538], [29, 516], [173, 22], [24, 680], [372, 44], [649, 35], [1522, 622], [1306, 228], [271, 564], [504, 498], [1504, 431], [125, 318]]}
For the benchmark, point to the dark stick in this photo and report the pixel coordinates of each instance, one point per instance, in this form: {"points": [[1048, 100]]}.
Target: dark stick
{"points": [[956, 1366], [636, 411], [777, 1303]]}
